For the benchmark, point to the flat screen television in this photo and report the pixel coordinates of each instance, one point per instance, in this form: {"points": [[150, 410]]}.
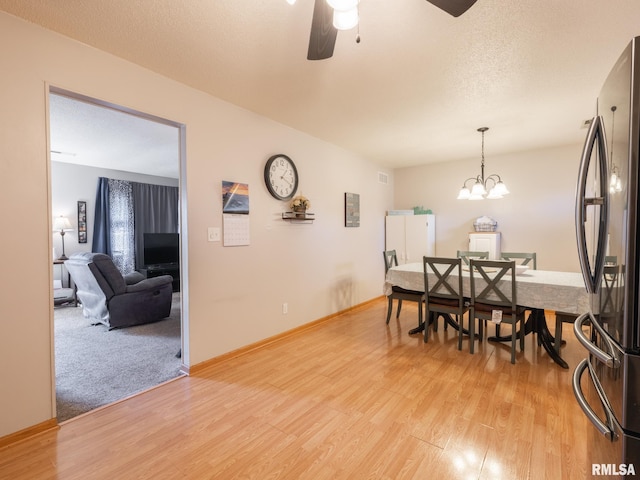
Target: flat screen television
{"points": [[161, 249]]}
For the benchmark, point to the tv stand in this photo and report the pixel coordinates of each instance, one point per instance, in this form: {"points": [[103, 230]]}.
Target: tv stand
{"points": [[173, 269]]}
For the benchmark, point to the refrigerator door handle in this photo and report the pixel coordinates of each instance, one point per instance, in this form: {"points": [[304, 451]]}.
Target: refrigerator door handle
{"points": [[595, 136], [609, 359], [604, 428]]}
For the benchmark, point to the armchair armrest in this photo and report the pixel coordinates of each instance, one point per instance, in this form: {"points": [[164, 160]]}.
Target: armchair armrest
{"points": [[149, 283], [133, 278]]}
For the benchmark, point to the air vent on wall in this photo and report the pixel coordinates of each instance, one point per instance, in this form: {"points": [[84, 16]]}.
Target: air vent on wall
{"points": [[383, 178], [57, 152]]}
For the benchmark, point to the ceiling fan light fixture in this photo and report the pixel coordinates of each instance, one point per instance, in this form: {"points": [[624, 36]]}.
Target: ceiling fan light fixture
{"points": [[345, 19], [343, 5]]}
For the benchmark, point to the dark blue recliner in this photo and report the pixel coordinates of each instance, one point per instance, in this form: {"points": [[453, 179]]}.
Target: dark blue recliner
{"points": [[115, 300]]}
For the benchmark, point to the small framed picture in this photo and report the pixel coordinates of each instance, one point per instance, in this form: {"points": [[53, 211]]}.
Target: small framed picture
{"points": [[351, 210], [82, 221]]}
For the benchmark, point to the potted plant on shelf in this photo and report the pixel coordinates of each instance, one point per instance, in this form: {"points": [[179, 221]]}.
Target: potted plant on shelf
{"points": [[299, 205]]}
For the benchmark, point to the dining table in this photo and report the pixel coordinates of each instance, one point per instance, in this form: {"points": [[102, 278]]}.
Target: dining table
{"points": [[537, 290]]}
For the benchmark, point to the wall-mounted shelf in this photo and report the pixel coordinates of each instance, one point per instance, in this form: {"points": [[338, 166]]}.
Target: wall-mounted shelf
{"points": [[298, 217]]}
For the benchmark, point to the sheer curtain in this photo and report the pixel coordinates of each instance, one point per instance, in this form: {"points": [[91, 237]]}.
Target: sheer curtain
{"points": [[122, 225], [124, 212]]}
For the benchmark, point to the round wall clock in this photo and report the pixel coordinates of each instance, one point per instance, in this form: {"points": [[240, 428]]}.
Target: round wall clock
{"points": [[281, 177]]}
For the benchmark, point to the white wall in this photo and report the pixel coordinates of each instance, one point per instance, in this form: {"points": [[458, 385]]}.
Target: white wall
{"points": [[235, 294], [537, 216]]}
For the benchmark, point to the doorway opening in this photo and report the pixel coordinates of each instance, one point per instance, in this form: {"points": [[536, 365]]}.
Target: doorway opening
{"points": [[92, 141]]}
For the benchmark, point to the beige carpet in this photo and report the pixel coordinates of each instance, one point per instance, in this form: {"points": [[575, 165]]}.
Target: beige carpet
{"points": [[96, 366]]}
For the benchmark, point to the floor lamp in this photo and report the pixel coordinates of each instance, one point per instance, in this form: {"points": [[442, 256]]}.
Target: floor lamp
{"points": [[61, 225]]}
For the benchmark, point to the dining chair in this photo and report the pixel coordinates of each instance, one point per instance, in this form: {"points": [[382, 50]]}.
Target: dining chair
{"points": [[399, 293], [444, 295], [609, 308], [467, 255], [493, 297], [523, 258]]}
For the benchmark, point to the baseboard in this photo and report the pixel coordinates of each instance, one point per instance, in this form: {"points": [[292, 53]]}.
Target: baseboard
{"points": [[15, 437], [267, 341]]}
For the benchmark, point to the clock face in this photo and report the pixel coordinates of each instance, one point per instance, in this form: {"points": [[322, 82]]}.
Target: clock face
{"points": [[281, 177]]}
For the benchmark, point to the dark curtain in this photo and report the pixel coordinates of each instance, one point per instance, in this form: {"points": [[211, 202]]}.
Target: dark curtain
{"points": [[155, 210], [101, 229]]}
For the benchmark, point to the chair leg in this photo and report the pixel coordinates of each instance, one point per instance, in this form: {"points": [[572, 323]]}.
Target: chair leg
{"points": [[558, 336], [389, 309], [514, 326], [472, 332], [522, 335], [399, 307], [460, 328], [427, 317]]}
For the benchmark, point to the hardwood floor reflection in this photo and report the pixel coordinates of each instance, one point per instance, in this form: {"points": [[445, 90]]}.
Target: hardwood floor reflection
{"points": [[350, 398]]}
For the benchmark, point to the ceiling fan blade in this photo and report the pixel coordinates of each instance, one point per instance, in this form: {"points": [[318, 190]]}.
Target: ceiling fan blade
{"points": [[453, 7], [323, 34]]}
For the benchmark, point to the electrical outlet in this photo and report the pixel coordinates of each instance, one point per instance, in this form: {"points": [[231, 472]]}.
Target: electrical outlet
{"points": [[213, 234], [285, 308]]}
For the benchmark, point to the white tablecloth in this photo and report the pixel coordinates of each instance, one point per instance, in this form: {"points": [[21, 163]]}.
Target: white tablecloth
{"points": [[558, 291]]}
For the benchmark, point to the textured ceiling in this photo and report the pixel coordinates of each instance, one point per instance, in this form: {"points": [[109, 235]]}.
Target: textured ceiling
{"points": [[98, 136], [413, 91]]}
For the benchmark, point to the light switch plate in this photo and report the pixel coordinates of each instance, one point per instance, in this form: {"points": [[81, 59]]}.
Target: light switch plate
{"points": [[213, 234]]}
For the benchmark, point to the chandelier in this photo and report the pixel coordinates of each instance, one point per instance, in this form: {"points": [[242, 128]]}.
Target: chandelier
{"points": [[489, 187]]}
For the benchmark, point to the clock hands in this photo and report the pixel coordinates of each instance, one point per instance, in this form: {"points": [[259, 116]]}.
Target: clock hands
{"points": [[286, 179]]}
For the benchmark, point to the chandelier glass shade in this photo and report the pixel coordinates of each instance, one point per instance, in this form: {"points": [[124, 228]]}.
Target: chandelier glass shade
{"points": [[481, 187]]}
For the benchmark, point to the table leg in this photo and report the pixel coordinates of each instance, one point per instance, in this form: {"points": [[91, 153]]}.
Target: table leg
{"points": [[537, 323], [548, 343]]}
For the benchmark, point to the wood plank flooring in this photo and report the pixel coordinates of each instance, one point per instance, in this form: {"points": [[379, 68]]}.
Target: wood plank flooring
{"points": [[351, 398]]}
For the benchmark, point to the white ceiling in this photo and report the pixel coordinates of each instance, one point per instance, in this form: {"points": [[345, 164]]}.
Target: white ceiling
{"points": [[413, 91], [97, 136]]}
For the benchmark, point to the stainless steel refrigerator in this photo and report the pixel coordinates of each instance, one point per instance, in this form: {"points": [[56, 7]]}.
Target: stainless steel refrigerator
{"points": [[607, 382]]}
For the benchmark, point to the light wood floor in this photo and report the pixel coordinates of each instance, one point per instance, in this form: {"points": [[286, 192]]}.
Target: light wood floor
{"points": [[349, 399]]}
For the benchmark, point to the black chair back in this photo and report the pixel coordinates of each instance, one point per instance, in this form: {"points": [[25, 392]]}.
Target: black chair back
{"points": [[390, 260]]}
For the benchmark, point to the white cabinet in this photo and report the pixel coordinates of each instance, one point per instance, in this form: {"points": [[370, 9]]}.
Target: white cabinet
{"points": [[411, 236], [485, 242]]}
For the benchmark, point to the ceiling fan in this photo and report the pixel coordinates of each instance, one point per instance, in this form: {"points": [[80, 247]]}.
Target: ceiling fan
{"points": [[323, 33]]}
